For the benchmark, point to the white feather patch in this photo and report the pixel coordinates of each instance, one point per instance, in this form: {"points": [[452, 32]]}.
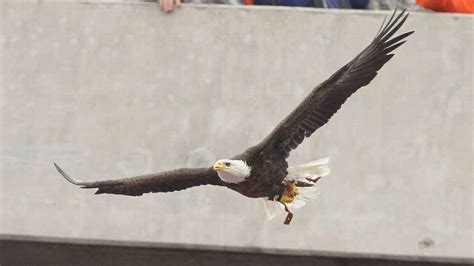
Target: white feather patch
{"points": [[272, 208], [300, 173]]}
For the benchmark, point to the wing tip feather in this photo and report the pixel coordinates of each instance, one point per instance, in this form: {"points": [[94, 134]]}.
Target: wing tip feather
{"points": [[70, 179], [392, 25]]}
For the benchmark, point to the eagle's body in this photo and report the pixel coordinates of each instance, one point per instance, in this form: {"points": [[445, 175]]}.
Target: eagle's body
{"points": [[266, 176], [262, 170]]}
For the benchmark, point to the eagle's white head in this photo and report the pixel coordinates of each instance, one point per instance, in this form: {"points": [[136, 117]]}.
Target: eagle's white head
{"points": [[232, 171]]}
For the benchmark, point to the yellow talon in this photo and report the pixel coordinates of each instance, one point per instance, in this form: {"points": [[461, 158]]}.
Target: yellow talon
{"points": [[290, 193]]}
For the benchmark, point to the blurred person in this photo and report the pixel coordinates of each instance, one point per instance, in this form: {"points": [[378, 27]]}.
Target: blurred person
{"points": [[300, 3], [359, 4], [456, 6], [410, 5], [346, 4]]}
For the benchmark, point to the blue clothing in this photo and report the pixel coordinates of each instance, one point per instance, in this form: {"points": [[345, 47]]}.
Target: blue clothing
{"points": [[359, 4], [303, 3], [333, 4]]}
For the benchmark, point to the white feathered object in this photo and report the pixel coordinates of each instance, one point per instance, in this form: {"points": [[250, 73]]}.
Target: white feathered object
{"points": [[307, 173]]}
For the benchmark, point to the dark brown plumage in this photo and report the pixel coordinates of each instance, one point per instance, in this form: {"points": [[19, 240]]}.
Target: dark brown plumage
{"points": [[167, 181], [268, 159]]}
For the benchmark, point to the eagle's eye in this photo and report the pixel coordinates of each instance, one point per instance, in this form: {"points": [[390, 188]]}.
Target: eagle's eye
{"points": [[227, 164]]}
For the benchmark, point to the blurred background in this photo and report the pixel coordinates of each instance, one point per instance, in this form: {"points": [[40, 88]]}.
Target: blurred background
{"points": [[109, 89]]}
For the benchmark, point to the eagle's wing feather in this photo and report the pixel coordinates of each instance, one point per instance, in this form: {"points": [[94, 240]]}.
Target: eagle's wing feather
{"points": [[167, 181], [325, 99]]}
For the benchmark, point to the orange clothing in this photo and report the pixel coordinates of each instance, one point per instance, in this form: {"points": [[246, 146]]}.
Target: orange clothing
{"points": [[455, 6]]}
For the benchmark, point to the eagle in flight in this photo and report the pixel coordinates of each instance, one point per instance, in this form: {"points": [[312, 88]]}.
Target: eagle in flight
{"points": [[262, 171]]}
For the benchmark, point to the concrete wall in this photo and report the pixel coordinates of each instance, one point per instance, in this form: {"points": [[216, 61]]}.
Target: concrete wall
{"points": [[112, 90]]}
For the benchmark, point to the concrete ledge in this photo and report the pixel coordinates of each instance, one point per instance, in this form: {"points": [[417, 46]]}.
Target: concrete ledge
{"points": [[28, 250]]}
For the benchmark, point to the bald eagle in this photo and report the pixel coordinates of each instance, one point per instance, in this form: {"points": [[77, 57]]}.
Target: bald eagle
{"points": [[262, 171]]}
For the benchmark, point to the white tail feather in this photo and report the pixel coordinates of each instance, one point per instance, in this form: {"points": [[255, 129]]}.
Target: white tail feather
{"points": [[308, 193], [319, 167], [300, 173], [322, 161], [272, 208], [311, 170]]}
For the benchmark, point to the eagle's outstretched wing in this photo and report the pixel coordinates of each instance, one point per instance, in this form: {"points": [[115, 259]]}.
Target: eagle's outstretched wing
{"points": [[324, 100], [167, 181]]}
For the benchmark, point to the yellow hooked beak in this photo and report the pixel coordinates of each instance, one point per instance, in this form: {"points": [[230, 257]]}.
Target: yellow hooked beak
{"points": [[218, 166]]}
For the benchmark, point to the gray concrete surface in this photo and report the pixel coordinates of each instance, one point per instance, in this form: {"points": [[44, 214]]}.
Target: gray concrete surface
{"points": [[112, 90]]}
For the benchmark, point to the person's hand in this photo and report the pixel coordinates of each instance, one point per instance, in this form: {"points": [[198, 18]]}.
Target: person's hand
{"points": [[167, 5]]}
